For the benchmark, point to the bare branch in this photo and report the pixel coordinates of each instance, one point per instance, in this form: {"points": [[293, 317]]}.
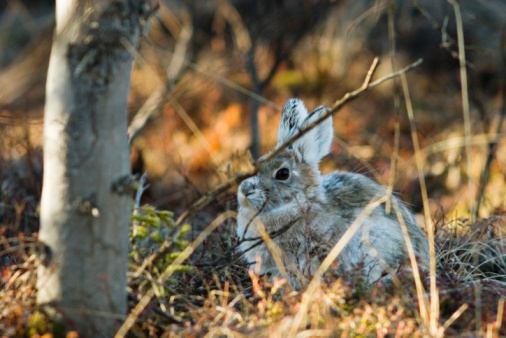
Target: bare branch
{"points": [[146, 112], [492, 147], [137, 201], [339, 104], [174, 72], [465, 103]]}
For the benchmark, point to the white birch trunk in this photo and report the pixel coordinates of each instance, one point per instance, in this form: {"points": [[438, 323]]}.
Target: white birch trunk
{"points": [[85, 207]]}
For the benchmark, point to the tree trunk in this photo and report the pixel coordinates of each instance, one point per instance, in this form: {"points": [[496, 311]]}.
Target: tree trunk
{"points": [[85, 207]]}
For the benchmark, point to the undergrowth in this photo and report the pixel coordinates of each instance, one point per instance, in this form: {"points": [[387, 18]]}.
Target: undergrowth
{"points": [[206, 297]]}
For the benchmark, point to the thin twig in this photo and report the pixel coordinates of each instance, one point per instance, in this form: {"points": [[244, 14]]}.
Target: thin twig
{"points": [[447, 42], [152, 105], [136, 211], [436, 25], [420, 291], [156, 101], [218, 78], [468, 136], [465, 103], [434, 296], [454, 317], [257, 89], [500, 311], [175, 70], [492, 147], [140, 191], [339, 104], [395, 153]]}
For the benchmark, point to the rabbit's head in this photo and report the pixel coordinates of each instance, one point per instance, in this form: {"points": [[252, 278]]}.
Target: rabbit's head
{"points": [[291, 178]]}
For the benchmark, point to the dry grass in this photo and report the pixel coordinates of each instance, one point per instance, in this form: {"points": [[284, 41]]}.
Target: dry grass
{"points": [[226, 299]]}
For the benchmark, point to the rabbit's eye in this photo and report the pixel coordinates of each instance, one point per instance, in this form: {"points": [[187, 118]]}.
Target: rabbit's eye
{"points": [[282, 174]]}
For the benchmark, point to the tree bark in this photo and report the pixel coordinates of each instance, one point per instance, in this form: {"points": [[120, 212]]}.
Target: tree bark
{"points": [[85, 206]]}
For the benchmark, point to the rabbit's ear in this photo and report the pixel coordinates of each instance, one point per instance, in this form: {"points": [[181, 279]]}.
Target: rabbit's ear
{"points": [[293, 115], [315, 144]]}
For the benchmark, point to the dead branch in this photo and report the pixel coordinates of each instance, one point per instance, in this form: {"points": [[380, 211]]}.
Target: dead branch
{"points": [[174, 72], [447, 42], [492, 147], [465, 103], [397, 107], [257, 89], [137, 204], [339, 104]]}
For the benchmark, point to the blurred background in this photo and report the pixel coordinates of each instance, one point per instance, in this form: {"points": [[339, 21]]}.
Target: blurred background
{"points": [[210, 78]]}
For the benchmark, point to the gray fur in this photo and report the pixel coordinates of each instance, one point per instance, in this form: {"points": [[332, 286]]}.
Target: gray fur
{"points": [[307, 213]]}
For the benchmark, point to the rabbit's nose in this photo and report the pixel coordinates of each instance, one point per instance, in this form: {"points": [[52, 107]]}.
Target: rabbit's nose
{"points": [[248, 186]]}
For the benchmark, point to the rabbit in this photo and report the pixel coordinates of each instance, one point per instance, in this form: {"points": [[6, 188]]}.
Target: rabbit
{"points": [[305, 213]]}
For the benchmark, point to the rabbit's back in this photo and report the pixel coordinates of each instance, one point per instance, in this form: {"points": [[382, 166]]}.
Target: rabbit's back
{"points": [[380, 239]]}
